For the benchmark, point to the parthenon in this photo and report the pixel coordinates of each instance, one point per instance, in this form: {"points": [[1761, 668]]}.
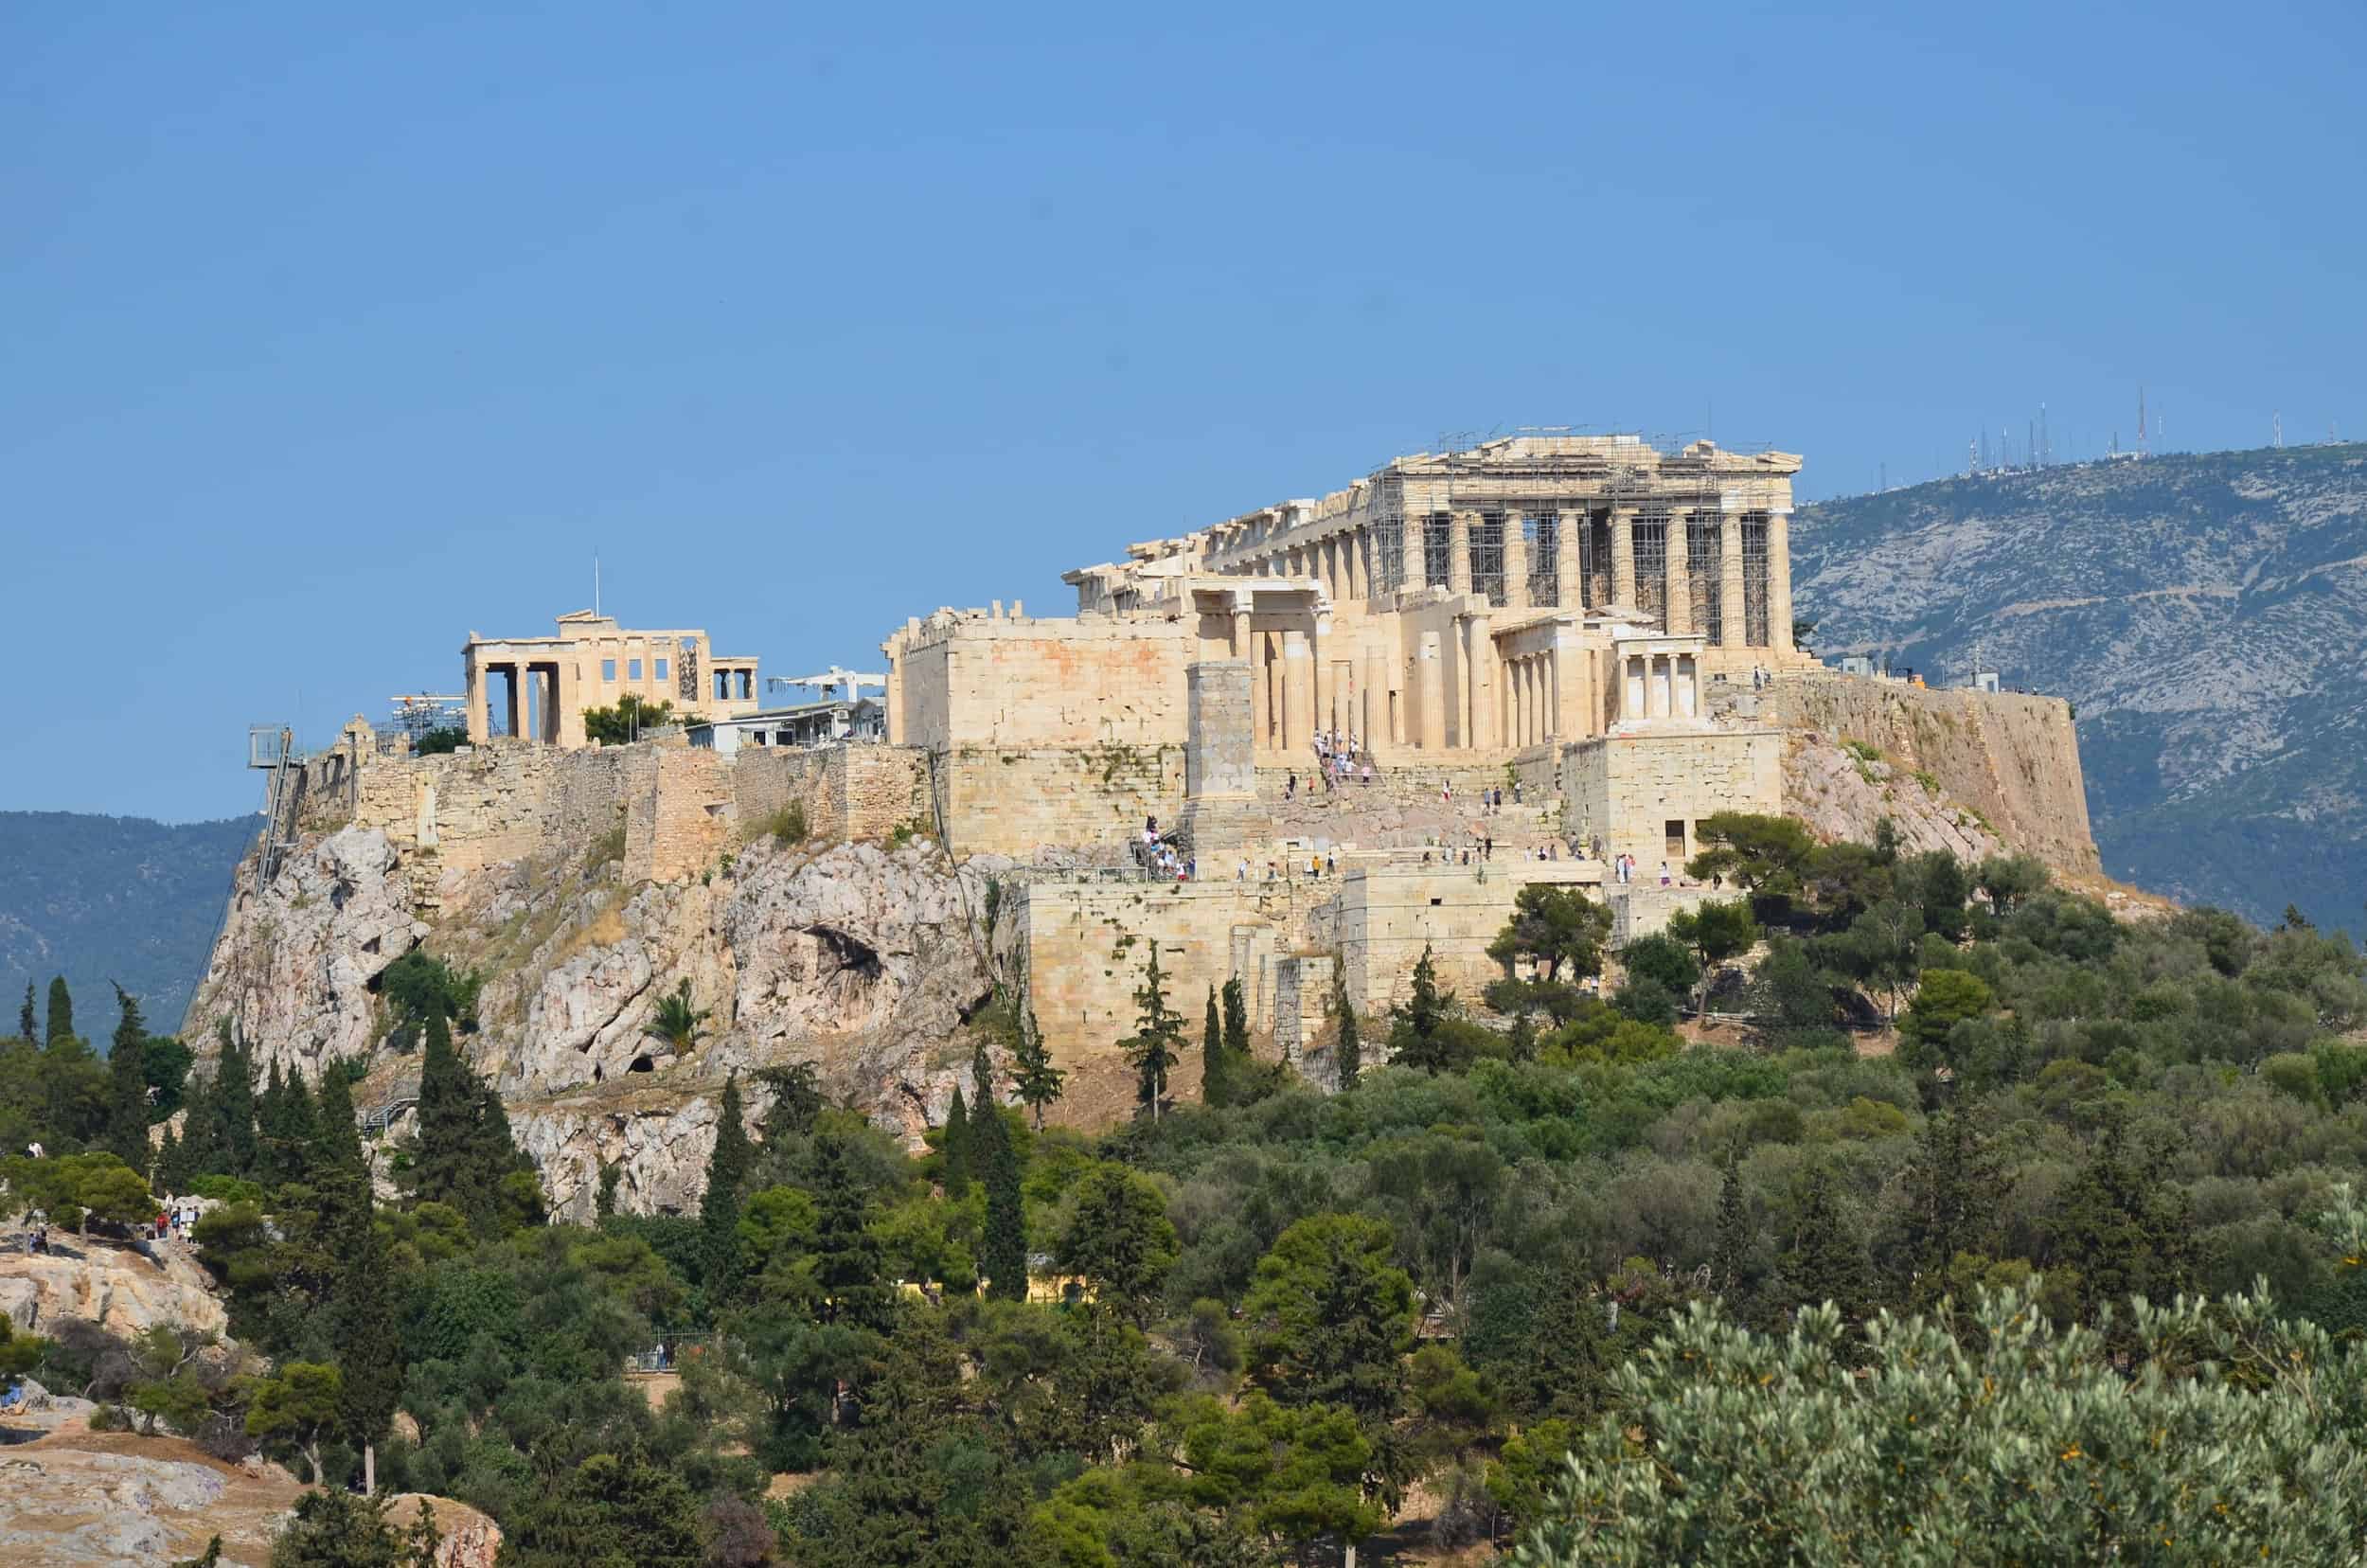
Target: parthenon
{"points": [[1531, 589]]}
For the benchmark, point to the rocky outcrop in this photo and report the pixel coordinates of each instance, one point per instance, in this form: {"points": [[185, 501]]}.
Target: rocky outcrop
{"points": [[121, 1290], [470, 1539], [295, 961], [860, 959]]}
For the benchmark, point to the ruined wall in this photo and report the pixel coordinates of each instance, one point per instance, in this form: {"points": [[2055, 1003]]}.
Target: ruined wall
{"points": [[1086, 802], [1387, 917], [1084, 947], [2013, 759], [678, 813], [851, 791], [978, 681], [1625, 789]]}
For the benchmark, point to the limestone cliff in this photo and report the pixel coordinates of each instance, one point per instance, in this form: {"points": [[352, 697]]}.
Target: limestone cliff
{"points": [[860, 959]]}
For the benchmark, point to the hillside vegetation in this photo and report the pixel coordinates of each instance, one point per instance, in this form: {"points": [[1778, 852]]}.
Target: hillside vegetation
{"points": [[2204, 612], [101, 897]]}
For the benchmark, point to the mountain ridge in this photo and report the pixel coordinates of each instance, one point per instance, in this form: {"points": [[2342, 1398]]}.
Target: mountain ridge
{"points": [[2204, 612]]}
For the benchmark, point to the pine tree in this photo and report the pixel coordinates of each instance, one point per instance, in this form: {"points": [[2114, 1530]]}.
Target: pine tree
{"points": [[1951, 1186], [1031, 1064], [466, 1155], [271, 1162], [127, 1085], [1002, 1255], [1347, 1054], [720, 1204], [956, 1145], [1157, 1038], [1733, 1228], [848, 1269], [1825, 1259], [60, 1012], [1213, 1080], [26, 1023]]}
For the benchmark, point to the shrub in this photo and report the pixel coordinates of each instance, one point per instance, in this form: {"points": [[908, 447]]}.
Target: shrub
{"points": [[787, 825]]}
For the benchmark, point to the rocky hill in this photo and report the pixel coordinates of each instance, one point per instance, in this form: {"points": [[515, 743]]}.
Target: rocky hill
{"points": [[2206, 617], [102, 897]]}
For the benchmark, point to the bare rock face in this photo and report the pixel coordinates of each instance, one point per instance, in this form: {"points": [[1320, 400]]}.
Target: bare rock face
{"points": [[294, 966], [470, 1539], [117, 1287], [658, 1141], [1842, 796]]}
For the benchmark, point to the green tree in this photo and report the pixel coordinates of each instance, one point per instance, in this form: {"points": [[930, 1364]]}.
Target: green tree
{"points": [[1158, 1038], [60, 1012], [1331, 1318], [1039, 1082], [1423, 1030], [2010, 1442], [127, 1079], [848, 1275], [1348, 1049], [720, 1201], [1716, 930], [957, 1146], [1944, 998], [2124, 1228], [1558, 930], [365, 1332], [2009, 880], [631, 717], [1212, 1056], [333, 1528], [1120, 1237], [1765, 856], [1951, 1188], [299, 1404], [1002, 1255], [26, 1023], [610, 1511], [676, 1022], [466, 1158], [1824, 1252]]}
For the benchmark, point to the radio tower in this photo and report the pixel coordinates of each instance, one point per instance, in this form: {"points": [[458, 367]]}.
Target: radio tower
{"points": [[2140, 418], [2276, 431], [2046, 443]]}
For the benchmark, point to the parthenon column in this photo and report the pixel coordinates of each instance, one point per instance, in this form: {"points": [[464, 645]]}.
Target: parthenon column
{"points": [[1566, 547], [1678, 614], [1556, 717], [1411, 572], [1429, 688], [1732, 629], [1623, 555], [1320, 656], [1459, 551], [1779, 581], [1298, 693], [1261, 691], [1240, 627], [1479, 671], [1516, 562], [1374, 690]]}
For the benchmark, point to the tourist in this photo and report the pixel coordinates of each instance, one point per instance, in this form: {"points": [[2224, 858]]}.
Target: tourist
{"points": [[1446, 792], [1368, 773], [1290, 787], [1664, 873], [1331, 866]]}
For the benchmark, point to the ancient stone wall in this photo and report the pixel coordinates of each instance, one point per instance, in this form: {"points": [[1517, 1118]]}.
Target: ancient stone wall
{"points": [[1301, 1003], [678, 813], [976, 680], [851, 791], [1387, 917], [1628, 789], [2013, 759], [1086, 802]]}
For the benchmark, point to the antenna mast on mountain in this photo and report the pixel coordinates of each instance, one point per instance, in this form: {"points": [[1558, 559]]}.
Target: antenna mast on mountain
{"points": [[2046, 443], [2276, 430], [2140, 418]]}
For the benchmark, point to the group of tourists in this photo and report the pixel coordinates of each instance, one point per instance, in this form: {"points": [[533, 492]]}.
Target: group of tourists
{"points": [[1158, 857], [1622, 870]]}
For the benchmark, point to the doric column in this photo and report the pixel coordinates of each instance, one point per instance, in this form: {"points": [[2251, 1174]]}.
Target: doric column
{"points": [[1459, 551], [1779, 582], [480, 726], [1516, 562], [1416, 574], [1623, 555], [1430, 685], [1566, 568], [1480, 675], [1298, 693], [1262, 693], [1375, 692], [1558, 688], [1679, 616], [1731, 630], [1319, 649]]}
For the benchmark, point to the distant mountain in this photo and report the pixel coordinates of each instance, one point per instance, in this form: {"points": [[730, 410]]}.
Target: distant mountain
{"points": [[2206, 614], [99, 898]]}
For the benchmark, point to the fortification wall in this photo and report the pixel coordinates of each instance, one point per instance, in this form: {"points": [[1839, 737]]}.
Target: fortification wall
{"points": [[1016, 682], [1084, 942], [853, 792], [1387, 917], [1088, 802], [1626, 789], [2012, 758]]}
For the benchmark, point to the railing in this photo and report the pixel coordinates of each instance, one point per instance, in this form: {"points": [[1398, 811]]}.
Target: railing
{"points": [[375, 1124]]}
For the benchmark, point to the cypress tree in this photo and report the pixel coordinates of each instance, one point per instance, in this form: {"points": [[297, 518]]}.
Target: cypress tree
{"points": [[1733, 1228], [25, 1020], [1235, 1020], [299, 1128], [956, 1145], [1003, 1254], [848, 1271], [338, 1145], [1158, 1032], [719, 1205], [127, 1085], [60, 1012], [173, 1165], [466, 1155], [270, 1118], [1347, 1054], [1031, 1062], [1827, 1257], [234, 1104], [200, 1147], [1213, 1085], [367, 1341]]}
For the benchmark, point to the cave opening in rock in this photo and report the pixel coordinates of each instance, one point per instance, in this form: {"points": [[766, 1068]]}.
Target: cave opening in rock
{"points": [[846, 955], [642, 1065]]}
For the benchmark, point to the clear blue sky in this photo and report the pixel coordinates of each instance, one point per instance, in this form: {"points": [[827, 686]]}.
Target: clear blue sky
{"points": [[330, 337]]}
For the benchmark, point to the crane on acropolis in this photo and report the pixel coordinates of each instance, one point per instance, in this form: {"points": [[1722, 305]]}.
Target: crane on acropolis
{"points": [[834, 676]]}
